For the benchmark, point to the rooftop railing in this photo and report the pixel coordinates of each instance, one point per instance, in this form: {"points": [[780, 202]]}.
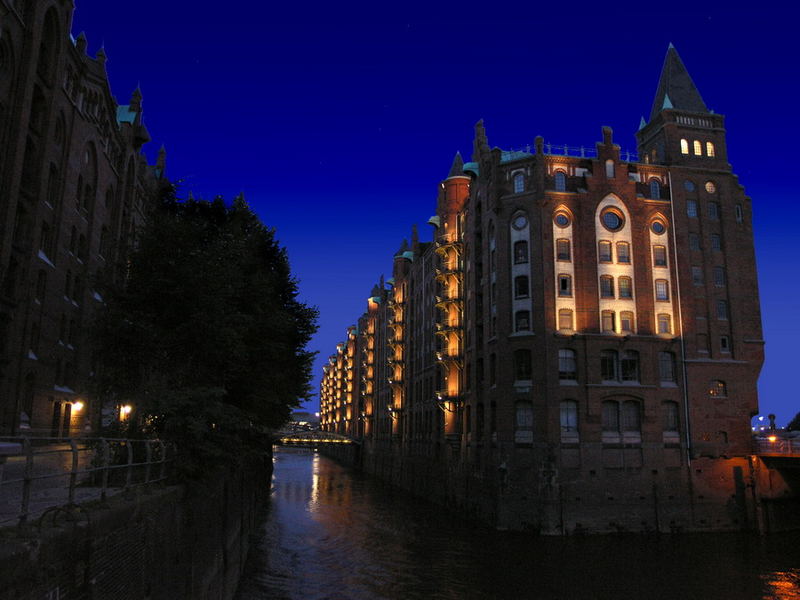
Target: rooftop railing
{"points": [[576, 151]]}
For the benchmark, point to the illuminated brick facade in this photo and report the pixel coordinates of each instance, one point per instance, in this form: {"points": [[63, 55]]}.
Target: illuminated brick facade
{"points": [[579, 345]]}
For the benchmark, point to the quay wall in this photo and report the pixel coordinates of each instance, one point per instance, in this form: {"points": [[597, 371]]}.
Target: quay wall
{"points": [[169, 543]]}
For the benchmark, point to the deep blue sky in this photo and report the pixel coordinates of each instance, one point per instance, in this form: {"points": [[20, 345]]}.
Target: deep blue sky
{"points": [[338, 122]]}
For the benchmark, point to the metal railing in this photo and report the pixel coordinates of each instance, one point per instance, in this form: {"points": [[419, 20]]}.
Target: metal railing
{"points": [[777, 445], [48, 473], [576, 151]]}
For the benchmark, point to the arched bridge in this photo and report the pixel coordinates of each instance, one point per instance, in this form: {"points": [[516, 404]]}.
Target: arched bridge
{"points": [[311, 438]]}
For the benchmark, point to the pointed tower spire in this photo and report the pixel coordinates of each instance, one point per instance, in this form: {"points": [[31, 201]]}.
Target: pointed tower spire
{"points": [[676, 88], [642, 123], [136, 99], [457, 167]]}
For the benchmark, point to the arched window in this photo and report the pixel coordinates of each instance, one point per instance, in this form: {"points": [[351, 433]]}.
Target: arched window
{"points": [[659, 256], [522, 364], [623, 252], [610, 169], [629, 366], [625, 287], [606, 286], [609, 368], [519, 183], [607, 321], [662, 290], [631, 422], [520, 252], [666, 367], [569, 421], [522, 320], [48, 49], [655, 189], [698, 148], [684, 147], [710, 149], [626, 321], [567, 365], [564, 285], [610, 422], [671, 417], [523, 433], [521, 287], [561, 181], [722, 310], [604, 251], [565, 319], [718, 389], [664, 323], [563, 250]]}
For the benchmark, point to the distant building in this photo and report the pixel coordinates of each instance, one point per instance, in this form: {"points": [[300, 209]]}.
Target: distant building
{"points": [[579, 346], [74, 188]]}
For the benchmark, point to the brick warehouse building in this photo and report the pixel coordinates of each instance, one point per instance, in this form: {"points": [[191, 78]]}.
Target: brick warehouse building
{"points": [[73, 187], [578, 348]]}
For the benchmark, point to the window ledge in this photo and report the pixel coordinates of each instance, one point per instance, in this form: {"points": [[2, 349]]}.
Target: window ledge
{"points": [[572, 382], [669, 384], [521, 334]]}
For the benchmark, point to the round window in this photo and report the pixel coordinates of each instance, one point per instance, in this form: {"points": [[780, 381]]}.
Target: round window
{"points": [[710, 187], [562, 220], [520, 222], [658, 227], [612, 220], [688, 186]]}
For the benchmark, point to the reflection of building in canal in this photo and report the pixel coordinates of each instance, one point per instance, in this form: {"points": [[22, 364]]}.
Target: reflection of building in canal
{"points": [[579, 345]]}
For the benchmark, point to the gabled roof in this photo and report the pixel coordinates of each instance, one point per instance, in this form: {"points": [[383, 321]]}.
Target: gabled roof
{"points": [[676, 88]]}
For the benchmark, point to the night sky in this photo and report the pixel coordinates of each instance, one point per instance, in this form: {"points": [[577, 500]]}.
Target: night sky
{"points": [[338, 122]]}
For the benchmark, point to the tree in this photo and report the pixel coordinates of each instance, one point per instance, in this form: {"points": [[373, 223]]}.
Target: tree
{"points": [[206, 338], [794, 424]]}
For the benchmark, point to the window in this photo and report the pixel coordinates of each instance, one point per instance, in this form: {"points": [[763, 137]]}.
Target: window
{"points": [[698, 148], [562, 219], [691, 208], [522, 320], [41, 284], [623, 252], [606, 286], [567, 366], [612, 219], [519, 183], [666, 366], [607, 320], [563, 250], [621, 422], [524, 423], [671, 415], [702, 342], [608, 365], [724, 343], [662, 290], [655, 189], [610, 169], [718, 389], [697, 275], [739, 213], [626, 321], [711, 187], [713, 210], [73, 239], [521, 286], [716, 241], [522, 364], [492, 369], [719, 276], [694, 241], [480, 421], [625, 287], [629, 366], [569, 421], [44, 238], [68, 285], [660, 256], [684, 146], [610, 419], [658, 227], [565, 319], [688, 185], [631, 418], [520, 252], [561, 181], [604, 251], [710, 150], [722, 310], [564, 285], [664, 324]]}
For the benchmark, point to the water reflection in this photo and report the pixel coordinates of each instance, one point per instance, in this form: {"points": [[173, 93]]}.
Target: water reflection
{"points": [[332, 534]]}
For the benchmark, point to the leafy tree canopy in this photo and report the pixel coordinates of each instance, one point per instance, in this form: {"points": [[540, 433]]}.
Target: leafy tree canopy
{"points": [[207, 338], [794, 424]]}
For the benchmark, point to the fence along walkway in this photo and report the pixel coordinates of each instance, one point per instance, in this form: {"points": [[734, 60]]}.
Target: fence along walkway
{"points": [[38, 475]]}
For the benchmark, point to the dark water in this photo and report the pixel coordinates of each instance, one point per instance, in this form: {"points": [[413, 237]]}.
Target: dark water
{"points": [[334, 534]]}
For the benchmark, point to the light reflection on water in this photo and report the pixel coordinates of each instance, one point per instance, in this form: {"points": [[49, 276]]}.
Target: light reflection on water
{"points": [[334, 534]]}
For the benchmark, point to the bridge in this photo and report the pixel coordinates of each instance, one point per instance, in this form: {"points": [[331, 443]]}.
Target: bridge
{"points": [[311, 438]]}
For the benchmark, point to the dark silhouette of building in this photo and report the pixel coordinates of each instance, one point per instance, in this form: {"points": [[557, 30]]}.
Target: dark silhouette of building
{"points": [[74, 185], [578, 348]]}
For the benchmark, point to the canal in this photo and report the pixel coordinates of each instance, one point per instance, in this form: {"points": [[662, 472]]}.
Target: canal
{"points": [[331, 533]]}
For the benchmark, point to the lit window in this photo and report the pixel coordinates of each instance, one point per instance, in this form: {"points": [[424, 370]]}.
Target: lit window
{"points": [[719, 276], [739, 213], [629, 366], [684, 147], [625, 287], [607, 321], [626, 324], [520, 252], [697, 275], [522, 364], [521, 288], [623, 252], [606, 286], [561, 181], [718, 389], [698, 148], [660, 256], [569, 421], [519, 183], [604, 251], [608, 365], [563, 251], [662, 290], [694, 241], [664, 323], [522, 320], [713, 210], [655, 189], [710, 149], [565, 319], [722, 310], [567, 365], [610, 169], [564, 285], [711, 187], [666, 366], [724, 343], [716, 241], [523, 433], [691, 208]]}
